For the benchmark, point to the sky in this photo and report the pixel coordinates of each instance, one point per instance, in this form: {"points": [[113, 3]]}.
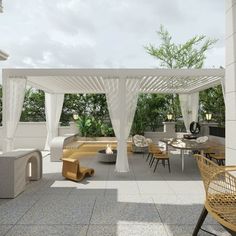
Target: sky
{"points": [[103, 33]]}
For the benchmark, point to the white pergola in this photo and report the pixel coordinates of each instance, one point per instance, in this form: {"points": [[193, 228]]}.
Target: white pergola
{"points": [[121, 87]]}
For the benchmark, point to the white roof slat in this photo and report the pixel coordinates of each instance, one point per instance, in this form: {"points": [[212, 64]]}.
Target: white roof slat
{"points": [[91, 80]]}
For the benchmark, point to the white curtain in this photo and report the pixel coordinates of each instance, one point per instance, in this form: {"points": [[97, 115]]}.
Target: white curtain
{"points": [[122, 96], [13, 99], [53, 108], [189, 104]]}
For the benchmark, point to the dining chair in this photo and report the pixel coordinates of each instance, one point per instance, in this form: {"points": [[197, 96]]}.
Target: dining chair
{"points": [[216, 153], [158, 155]]}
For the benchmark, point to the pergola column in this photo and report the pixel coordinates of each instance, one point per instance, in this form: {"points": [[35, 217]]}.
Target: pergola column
{"points": [[230, 81]]}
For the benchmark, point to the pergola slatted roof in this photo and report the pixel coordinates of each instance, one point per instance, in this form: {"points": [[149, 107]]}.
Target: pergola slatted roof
{"points": [[91, 80]]}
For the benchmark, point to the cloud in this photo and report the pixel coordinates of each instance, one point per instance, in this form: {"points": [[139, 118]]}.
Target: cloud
{"points": [[103, 33]]}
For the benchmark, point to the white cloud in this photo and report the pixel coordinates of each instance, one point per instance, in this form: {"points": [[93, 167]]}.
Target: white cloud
{"points": [[103, 33]]}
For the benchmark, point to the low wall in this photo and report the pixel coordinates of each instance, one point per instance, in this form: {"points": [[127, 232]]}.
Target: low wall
{"points": [[34, 134], [156, 136]]}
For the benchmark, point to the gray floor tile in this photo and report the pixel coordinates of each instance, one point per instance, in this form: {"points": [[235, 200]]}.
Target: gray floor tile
{"points": [[135, 203], [3, 201], [60, 210], [49, 230], [4, 229], [187, 230], [110, 212], [14, 209], [180, 213], [127, 230]]}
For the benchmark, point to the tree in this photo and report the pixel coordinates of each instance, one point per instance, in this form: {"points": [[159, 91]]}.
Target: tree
{"points": [[190, 54], [212, 101], [84, 104], [93, 114], [33, 107], [151, 111]]}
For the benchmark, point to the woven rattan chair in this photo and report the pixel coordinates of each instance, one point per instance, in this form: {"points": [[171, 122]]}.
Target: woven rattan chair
{"points": [[140, 144], [220, 188]]}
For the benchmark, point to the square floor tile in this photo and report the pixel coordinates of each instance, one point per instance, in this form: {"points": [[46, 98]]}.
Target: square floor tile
{"points": [[51, 209], [4, 229], [187, 230], [48, 230], [12, 210], [109, 211], [127, 230]]}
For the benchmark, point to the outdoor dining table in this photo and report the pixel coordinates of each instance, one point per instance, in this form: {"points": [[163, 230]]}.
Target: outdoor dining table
{"points": [[185, 144]]}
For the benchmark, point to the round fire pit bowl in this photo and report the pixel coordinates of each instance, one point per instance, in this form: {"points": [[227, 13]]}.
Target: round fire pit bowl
{"points": [[108, 158]]}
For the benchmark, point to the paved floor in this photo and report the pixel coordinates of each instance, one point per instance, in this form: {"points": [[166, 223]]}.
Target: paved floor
{"points": [[138, 203]]}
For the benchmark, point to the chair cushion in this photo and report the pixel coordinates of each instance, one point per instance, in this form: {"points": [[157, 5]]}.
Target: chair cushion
{"points": [[141, 141]]}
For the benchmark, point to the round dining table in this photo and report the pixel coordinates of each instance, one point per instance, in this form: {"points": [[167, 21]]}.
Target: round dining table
{"points": [[185, 144]]}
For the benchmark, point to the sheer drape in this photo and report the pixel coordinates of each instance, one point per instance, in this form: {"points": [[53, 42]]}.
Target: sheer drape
{"points": [[13, 99], [53, 108], [189, 104], [122, 96]]}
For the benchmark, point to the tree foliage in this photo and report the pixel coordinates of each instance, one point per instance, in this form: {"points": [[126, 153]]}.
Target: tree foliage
{"points": [[191, 54], [33, 107], [93, 114], [212, 101]]}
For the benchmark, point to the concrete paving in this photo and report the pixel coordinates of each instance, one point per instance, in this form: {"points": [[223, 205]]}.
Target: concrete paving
{"points": [[136, 203]]}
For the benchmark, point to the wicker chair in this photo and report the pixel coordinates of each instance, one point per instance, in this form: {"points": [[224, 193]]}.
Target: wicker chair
{"points": [[220, 188], [140, 144]]}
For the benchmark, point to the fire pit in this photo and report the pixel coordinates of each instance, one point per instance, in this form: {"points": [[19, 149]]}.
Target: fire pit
{"points": [[107, 157]]}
